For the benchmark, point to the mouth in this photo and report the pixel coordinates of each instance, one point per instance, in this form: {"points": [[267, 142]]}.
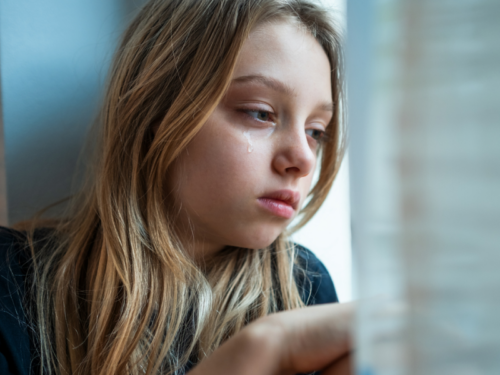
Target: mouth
{"points": [[282, 203]]}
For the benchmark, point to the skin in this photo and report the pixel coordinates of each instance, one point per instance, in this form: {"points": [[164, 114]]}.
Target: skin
{"points": [[280, 100], [287, 343], [277, 106]]}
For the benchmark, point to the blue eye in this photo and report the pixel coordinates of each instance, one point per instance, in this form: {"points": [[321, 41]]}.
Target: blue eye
{"points": [[316, 134], [260, 115]]}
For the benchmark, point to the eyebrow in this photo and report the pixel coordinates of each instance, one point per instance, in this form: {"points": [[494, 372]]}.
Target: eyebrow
{"points": [[272, 83], [279, 86], [327, 107]]}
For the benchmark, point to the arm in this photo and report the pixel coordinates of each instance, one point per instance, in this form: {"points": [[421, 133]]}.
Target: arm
{"points": [[286, 343]]}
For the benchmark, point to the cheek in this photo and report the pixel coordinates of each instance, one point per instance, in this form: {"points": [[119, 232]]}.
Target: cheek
{"points": [[305, 186], [216, 168]]}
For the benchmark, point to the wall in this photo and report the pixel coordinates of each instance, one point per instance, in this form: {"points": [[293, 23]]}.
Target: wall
{"points": [[54, 56]]}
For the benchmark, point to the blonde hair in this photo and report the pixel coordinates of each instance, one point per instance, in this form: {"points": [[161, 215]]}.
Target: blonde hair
{"points": [[115, 291]]}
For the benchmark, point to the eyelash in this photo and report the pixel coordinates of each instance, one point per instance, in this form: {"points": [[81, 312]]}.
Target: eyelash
{"points": [[321, 136], [257, 111]]}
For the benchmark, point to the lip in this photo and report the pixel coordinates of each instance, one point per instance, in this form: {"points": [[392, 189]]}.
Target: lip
{"points": [[282, 203]]}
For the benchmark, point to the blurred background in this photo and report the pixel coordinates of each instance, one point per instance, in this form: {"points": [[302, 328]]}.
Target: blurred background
{"points": [[424, 121], [54, 56]]}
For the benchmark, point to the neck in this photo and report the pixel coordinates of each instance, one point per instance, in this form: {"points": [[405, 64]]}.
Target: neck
{"points": [[199, 248]]}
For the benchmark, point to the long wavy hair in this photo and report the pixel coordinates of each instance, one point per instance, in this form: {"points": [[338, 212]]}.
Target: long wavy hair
{"points": [[114, 290]]}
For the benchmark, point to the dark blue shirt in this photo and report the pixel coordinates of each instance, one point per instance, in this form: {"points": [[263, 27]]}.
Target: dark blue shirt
{"points": [[17, 347]]}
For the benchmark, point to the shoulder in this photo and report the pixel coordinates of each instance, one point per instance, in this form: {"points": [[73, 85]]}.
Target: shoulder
{"points": [[14, 339], [12, 256], [313, 280]]}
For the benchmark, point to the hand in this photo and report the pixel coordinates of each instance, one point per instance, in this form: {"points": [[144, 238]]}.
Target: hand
{"points": [[311, 338], [290, 342], [342, 366]]}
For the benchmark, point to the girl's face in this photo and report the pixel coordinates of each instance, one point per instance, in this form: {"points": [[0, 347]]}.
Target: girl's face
{"points": [[246, 174]]}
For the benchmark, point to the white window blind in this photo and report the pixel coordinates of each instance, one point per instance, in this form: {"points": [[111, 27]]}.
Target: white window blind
{"points": [[425, 158]]}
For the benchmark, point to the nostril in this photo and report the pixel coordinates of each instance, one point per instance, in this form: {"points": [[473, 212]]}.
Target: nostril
{"points": [[293, 170]]}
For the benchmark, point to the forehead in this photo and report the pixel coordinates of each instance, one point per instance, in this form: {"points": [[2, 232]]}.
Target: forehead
{"points": [[286, 52]]}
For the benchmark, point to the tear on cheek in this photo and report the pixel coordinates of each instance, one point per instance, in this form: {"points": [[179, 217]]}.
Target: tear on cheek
{"points": [[270, 131], [249, 140], [254, 135]]}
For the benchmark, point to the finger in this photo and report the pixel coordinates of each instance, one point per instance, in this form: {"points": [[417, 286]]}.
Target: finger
{"points": [[317, 336], [343, 366]]}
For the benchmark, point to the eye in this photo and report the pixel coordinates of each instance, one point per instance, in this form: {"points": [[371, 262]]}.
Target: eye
{"points": [[260, 115], [316, 134]]}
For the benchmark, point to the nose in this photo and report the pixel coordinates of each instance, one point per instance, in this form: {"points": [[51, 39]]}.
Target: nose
{"points": [[294, 155]]}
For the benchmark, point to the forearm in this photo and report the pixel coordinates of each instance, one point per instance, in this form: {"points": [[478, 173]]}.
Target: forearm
{"points": [[255, 350], [290, 342]]}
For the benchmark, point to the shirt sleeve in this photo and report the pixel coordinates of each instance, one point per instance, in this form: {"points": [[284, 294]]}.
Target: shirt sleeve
{"points": [[313, 280], [14, 339]]}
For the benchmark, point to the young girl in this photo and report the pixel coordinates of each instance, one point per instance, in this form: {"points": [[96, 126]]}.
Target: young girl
{"points": [[174, 256]]}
